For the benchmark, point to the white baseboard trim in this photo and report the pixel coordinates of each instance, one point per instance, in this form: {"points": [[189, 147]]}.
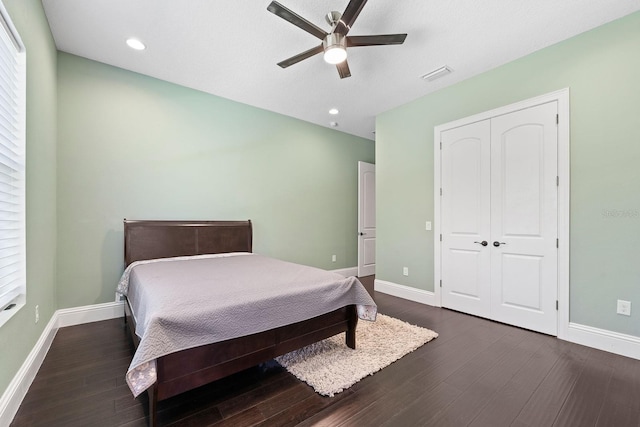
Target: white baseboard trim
{"points": [[347, 272], [18, 387], [406, 292], [89, 313], [602, 339]]}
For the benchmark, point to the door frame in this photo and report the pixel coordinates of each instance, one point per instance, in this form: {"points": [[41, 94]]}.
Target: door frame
{"points": [[562, 98]]}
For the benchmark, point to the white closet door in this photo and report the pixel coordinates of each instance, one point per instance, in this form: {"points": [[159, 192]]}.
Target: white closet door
{"points": [[465, 217], [524, 219]]}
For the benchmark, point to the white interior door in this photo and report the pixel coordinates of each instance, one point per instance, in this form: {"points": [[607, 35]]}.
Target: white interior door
{"points": [[524, 221], [366, 219], [499, 218], [465, 217]]}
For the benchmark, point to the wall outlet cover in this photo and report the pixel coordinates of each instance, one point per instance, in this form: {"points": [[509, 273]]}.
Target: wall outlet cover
{"points": [[624, 307]]}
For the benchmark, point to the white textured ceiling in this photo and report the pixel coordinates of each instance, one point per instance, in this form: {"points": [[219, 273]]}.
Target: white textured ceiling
{"points": [[230, 48]]}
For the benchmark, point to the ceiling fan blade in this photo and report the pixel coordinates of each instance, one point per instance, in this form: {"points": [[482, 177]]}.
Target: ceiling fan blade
{"points": [[343, 69], [349, 16], [377, 40], [297, 20], [301, 56]]}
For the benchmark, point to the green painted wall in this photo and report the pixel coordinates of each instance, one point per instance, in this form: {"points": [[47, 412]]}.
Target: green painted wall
{"points": [[131, 146], [601, 68], [19, 335]]}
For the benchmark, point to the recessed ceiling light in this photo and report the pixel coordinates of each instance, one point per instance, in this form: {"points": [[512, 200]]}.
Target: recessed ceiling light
{"points": [[135, 44], [334, 111]]}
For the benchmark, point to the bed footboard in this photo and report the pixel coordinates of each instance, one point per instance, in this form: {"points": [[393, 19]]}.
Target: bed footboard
{"points": [[188, 369]]}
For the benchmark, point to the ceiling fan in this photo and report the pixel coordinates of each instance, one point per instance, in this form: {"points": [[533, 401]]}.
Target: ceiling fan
{"points": [[334, 44]]}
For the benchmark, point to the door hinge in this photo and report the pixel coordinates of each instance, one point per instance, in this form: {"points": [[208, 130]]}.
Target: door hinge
{"points": [[441, 145], [441, 191], [557, 243], [557, 305], [440, 282], [441, 237], [557, 181], [557, 118]]}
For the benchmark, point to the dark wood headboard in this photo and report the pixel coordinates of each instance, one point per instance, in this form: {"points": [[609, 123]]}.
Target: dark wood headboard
{"points": [[162, 239]]}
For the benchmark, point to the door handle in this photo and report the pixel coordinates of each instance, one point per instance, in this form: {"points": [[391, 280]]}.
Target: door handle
{"points": [[483, 243], [362, 234], [496, 243]]}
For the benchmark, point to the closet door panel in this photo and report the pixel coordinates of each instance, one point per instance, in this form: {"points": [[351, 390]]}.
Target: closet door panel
{"points": [[524, 218], [465, 220]]}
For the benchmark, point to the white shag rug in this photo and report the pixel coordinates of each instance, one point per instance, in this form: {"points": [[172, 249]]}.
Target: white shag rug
{"points": [[329, 366]]}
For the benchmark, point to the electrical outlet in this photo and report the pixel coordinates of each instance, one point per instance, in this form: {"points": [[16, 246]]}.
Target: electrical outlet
{"points": [[333, 258], [405, 271], [427, 226], [624, 307], [37, 313]]}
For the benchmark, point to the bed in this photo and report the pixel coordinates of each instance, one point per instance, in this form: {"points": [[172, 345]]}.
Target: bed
{"points": [[162, 250]]}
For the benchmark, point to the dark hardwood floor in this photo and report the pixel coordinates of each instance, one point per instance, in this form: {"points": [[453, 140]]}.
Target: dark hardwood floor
{"points": [[477, 373]]}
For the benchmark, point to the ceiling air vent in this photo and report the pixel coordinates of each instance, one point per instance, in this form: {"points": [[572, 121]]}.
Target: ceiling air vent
{"points": [[437, 73]]}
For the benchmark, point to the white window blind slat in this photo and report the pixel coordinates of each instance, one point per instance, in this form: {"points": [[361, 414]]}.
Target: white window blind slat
{"points": [[6, 188], [11, 293], [6, 93], [10, 243], [12, 169], [11, 179], [11, 200], [7, 112], [8, 175], [8, 130], [10, 280], [15, 157], [7, 69], [11, 262], [8, 252], [10, 159], [9, 85]]}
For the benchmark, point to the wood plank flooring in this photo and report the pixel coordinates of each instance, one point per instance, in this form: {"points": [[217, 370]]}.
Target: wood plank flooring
{"points": [[476, 373]]}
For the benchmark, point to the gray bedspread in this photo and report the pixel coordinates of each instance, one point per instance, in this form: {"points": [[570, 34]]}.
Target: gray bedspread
{"points": [[182, 303]]}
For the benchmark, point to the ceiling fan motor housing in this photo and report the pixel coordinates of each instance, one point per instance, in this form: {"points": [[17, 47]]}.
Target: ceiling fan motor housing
{"points": [[334, 40]]}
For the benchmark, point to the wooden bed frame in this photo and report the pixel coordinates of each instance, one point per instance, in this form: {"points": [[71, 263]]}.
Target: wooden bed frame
{"points": [[188, 369]]}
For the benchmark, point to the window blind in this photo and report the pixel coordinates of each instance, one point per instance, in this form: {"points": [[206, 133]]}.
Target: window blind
{"points": [[12, 165]]}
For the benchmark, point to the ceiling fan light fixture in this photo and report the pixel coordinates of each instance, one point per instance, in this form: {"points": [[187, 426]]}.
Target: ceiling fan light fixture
{"points": [[335, 55], [335, 48], [334, 43]]}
